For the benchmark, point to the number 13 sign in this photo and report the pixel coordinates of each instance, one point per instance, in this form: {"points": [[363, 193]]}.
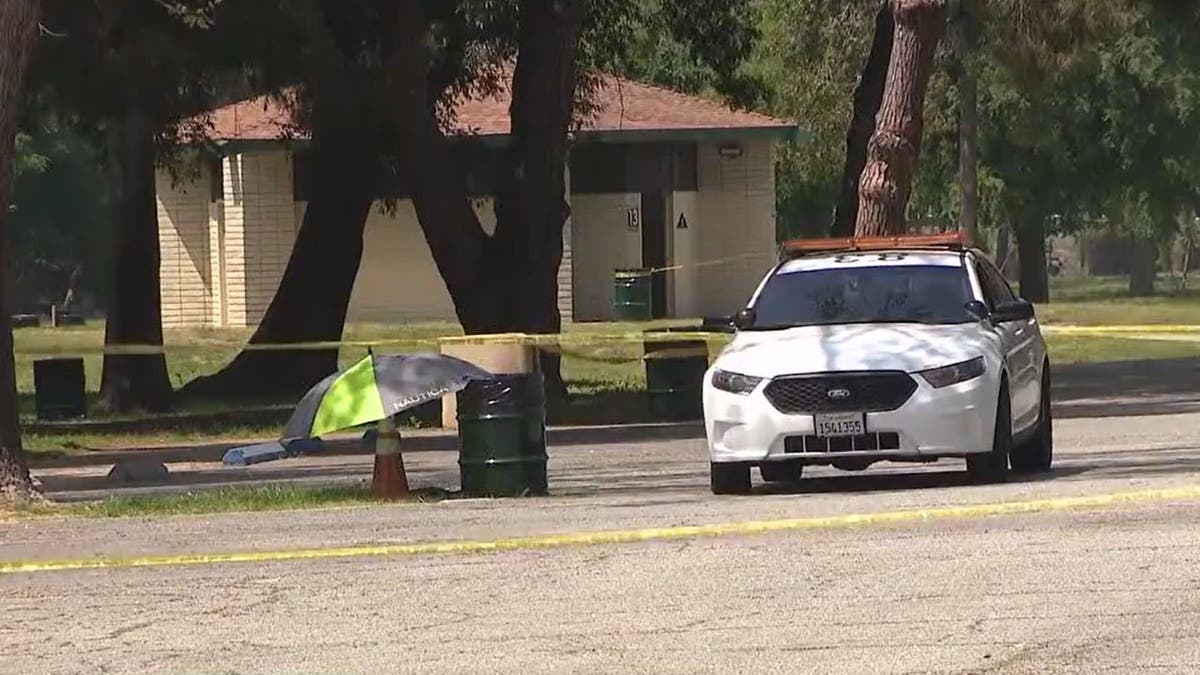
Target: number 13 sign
{"points": [[635, 219]]}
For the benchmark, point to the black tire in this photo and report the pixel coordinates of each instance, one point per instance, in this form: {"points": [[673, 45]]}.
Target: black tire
{"points": [[993, 466], [781, 472], [729, 478], [1036, 455]]}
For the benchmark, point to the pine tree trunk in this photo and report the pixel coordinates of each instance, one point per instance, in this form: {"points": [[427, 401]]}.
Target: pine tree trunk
{"points": [[18, 28], [134, 381], [313, 297], [1031, 256], [968, 153], [1003, 253], [894, 147], [1143, 267], [968, 122], [867, 98]]}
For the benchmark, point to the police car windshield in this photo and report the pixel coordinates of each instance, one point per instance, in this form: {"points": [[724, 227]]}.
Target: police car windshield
{"points": [[926, 294]]}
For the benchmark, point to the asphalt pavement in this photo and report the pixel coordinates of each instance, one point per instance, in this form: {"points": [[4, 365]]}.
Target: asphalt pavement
{"points": [[1092, 568], [1103, 592]]}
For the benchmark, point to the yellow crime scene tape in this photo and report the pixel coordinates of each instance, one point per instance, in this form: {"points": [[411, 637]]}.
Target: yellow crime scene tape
{"points": [[563, 342], [707, 263], [550, 341], [1115, 330], [615, 537], [531, 340], [651, 334]]}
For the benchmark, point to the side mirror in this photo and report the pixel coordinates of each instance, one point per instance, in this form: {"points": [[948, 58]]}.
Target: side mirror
{"points": [[978, 310], [744, 319], [1013, 310]]}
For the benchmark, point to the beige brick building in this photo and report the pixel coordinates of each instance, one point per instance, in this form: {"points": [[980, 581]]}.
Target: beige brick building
{"points": [[657, 179]]}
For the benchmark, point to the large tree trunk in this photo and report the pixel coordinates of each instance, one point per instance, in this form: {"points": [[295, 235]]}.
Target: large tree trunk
{"points": [[894, 147], [438, 184], [18, 27], [312, 299], [507, 282], [1143, 267], [134, 381], [1031, 255], [531, 204], [867, 98]]}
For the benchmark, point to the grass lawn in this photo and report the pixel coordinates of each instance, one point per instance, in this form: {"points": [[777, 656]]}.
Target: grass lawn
{"points": [[1066, 349], [1105, 301], [192, 353], [225, 500], [605, 378]]}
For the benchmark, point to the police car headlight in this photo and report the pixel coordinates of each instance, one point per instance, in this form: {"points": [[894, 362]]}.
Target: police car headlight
{"points": [[955, 374], [735, 383]]}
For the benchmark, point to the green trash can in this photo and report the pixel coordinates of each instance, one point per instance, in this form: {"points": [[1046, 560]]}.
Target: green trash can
{"points": [[502, 436], [59, 386], [674, 379], [631, 295]]}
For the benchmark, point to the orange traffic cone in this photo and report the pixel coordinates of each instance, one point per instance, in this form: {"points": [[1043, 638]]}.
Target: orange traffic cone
{"points": [[388, 481]]}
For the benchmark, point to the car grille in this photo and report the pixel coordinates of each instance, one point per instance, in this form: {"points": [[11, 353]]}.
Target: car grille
{"points": [[864, 443], [844, 392]]}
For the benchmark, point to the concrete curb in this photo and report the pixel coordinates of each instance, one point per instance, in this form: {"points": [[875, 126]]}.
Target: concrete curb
{"points": [[412, 441]]}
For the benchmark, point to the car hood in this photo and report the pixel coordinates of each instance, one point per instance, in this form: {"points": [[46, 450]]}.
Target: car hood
{"points": [[822, 349]]}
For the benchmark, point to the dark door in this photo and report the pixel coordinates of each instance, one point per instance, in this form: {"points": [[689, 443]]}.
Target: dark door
{"points": [[654, 249]]}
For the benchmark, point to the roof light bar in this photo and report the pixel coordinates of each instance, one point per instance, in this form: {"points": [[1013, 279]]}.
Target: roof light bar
{"points": [[955, 241]]}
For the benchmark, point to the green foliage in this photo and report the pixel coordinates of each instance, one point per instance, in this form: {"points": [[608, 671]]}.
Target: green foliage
{"points": [[761, 54], [696, 47], [59, 213], [157, 54], [1092, 116], [95, 62], [26, 158], [1087, 109]]}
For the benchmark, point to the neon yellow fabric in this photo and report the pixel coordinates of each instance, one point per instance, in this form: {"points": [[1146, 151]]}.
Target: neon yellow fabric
{"points": [[352, 400]]}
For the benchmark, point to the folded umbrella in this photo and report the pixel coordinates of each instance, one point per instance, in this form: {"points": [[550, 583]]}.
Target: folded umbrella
{"points": [[378, 388]]}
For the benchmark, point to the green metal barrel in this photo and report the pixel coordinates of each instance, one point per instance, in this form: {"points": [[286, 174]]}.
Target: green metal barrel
{"points": [[59, 386], [502, 436], [674, 377], [631, 295]]}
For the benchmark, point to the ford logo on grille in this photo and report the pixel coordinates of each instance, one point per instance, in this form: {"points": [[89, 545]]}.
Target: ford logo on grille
{"points": [[838, 394]]}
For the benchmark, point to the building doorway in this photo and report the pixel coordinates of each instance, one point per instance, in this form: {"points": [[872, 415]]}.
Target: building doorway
{"points": [[654, 249]]}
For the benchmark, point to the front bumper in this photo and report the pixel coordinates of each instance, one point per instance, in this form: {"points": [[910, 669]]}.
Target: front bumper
{"points": [[950, 422]]}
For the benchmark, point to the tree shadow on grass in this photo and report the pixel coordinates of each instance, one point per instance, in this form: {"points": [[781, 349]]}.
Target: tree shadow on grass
{"points": [[1127, 388], [600, 406]]}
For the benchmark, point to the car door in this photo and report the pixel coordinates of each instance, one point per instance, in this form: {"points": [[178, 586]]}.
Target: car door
{"points": [[1020, 345]]}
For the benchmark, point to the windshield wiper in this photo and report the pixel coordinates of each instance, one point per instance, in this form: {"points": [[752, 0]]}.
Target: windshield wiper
{"points": [[787, 326]]}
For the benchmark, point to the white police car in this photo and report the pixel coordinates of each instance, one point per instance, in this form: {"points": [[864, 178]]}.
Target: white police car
{"points": [[852, 352]]}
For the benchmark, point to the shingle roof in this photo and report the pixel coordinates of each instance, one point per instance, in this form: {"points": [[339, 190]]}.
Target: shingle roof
{"points": [[621, 105]]}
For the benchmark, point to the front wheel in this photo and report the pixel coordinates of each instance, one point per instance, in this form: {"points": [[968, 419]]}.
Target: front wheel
{"points": [[729, 478], [992, 467]]}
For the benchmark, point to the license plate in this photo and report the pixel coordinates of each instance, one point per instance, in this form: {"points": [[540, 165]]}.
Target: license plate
{"points": [[841, 424]]}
